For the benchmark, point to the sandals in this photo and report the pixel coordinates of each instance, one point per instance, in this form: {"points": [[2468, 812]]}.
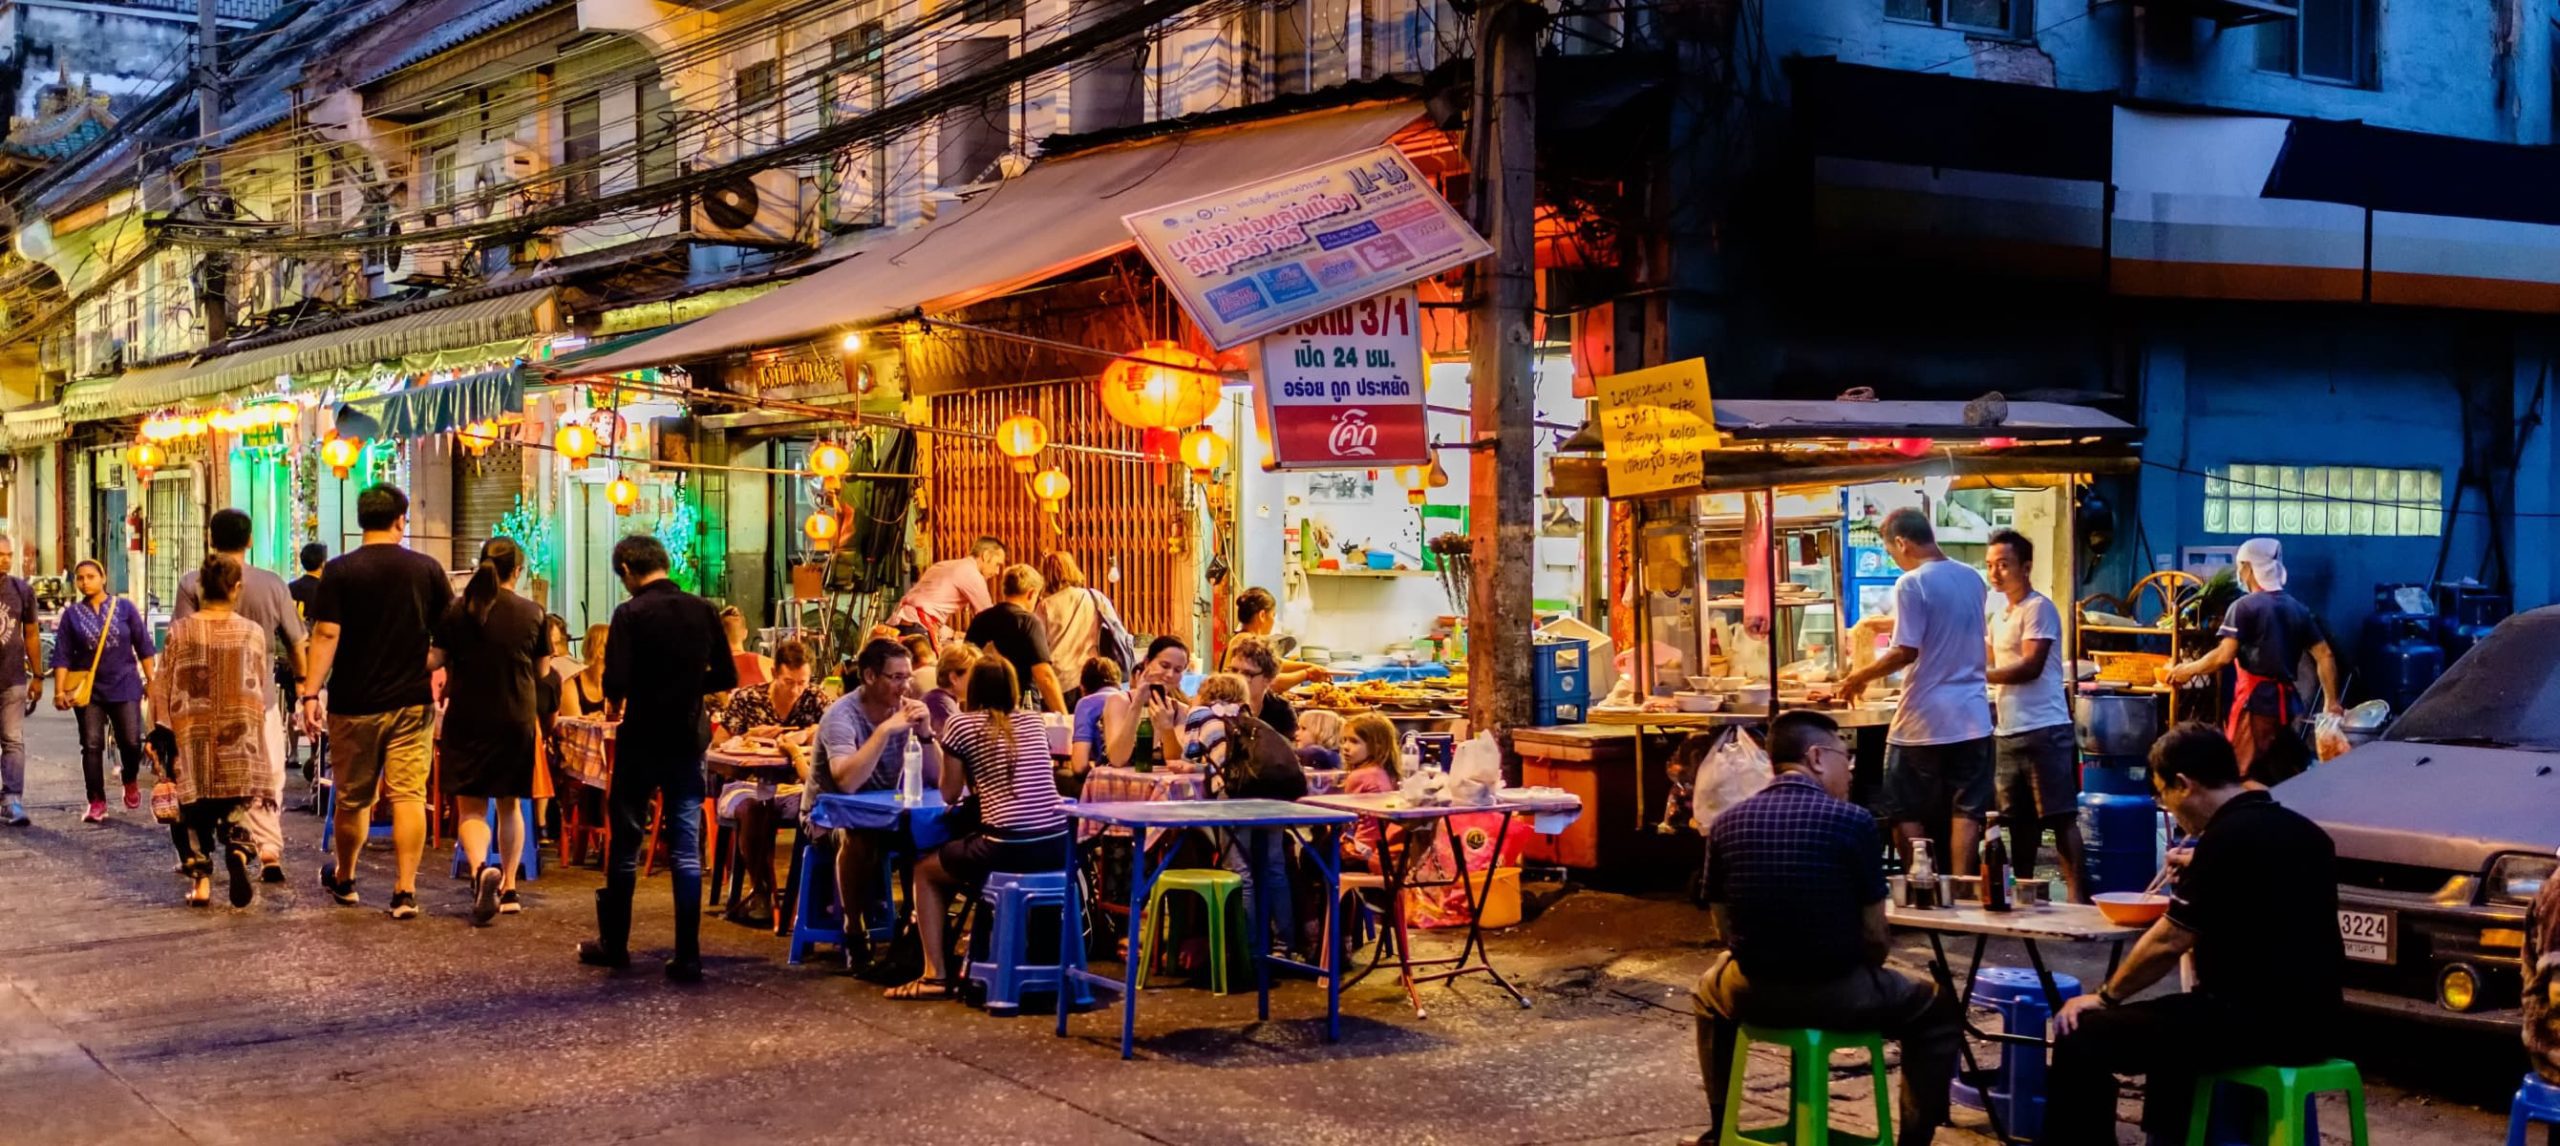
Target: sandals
{"points": [[200, 891], [931, 990]]}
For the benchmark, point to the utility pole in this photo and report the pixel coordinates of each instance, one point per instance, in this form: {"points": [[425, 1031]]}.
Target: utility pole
{"points": [[1502, 490], [213, 296]]}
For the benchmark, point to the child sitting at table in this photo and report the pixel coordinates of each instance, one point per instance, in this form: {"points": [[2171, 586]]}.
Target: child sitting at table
{"points": [[784, 709], [1320, 740], [1369, 762]]}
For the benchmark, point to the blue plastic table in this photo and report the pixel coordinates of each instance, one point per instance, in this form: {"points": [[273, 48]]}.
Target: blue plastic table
{"points": [[880, 811], [1321, 830]]}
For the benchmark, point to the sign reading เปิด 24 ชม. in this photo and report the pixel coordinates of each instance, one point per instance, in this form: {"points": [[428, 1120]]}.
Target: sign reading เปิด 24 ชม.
{"points": [[1254, 259], [1655, 424], [1344, 390]]}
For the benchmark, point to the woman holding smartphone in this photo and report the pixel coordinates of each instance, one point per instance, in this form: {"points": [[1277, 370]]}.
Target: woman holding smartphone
{"points": [[1154, 705]]}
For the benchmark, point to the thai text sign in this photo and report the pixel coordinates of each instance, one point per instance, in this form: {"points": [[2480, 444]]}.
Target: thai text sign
{"points": [[1344, 389], [1253, 259], [1654, 425]]}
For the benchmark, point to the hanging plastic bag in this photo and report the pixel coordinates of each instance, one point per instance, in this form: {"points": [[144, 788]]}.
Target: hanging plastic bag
{"points": [[1475, 772], [2329, 736], [1735, 768]]}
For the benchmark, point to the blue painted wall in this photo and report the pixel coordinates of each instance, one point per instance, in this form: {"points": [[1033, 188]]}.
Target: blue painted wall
{"points": [[2438, 66]]}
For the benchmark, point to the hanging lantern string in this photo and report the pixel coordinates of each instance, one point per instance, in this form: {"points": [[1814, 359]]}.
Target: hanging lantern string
{"points": [[700, 467], [1077, 348], [853, 417]]}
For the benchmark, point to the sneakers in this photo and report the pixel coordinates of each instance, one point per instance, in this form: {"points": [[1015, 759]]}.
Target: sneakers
{"points": [[344, 893], [404, 905], [484, 895], [132, 795], [508, 904], [13, 813], [97, 813], [235, 862]]}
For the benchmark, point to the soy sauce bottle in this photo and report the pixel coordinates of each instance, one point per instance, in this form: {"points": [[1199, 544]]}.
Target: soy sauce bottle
{"points": [[1995, 866]]}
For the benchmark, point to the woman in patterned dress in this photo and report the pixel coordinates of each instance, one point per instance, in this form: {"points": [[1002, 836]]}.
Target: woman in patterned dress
{"points": [[212, 698]]}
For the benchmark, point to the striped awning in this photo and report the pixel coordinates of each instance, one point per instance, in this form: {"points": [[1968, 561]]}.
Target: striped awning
{"points": [[423, 339], [29, 425], [429, 410]]}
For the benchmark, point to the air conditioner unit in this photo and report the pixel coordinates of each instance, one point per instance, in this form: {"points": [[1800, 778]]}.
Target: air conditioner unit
{"points": [[759, 208], [429, 264]]}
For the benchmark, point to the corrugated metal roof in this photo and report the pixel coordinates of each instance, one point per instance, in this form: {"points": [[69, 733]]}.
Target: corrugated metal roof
{"points": [[456, 32]]}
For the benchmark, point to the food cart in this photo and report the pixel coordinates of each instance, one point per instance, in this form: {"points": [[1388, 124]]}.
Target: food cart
{"points": [[1740, 587]]}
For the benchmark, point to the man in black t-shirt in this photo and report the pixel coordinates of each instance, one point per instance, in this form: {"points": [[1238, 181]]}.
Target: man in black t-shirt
{"points": [[1014, 632], [307, 586], [2257, 904], [370, 624]]}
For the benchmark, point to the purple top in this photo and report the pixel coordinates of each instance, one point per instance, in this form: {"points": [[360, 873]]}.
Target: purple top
{"points": [[75, 644]]}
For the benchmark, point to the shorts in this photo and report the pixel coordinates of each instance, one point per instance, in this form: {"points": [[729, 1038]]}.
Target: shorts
{"points": [[381, 756], [734, 798], [971, 858], [1927, 783], [2039, 774]]}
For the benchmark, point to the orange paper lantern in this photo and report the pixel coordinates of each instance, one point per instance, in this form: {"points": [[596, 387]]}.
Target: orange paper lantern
{"points": [[1160, 388], [623, 494], [1021, 437], [477, 437], [575, 442], [829, 461], [341, 454], [1051, 487], [821, 528], [1203, 451], [145, 457]]}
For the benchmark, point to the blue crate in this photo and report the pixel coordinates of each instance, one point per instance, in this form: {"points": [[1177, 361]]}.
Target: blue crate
{"points": [[1560, 673]]}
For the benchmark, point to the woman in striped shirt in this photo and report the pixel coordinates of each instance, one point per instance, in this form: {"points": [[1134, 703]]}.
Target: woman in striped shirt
{"points": [[1022, 827]]}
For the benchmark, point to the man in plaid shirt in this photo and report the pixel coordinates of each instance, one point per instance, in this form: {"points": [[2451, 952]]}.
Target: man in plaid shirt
{"points": [[1795, 877]]}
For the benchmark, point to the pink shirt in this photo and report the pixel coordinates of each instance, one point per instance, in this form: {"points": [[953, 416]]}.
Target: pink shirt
{"points": [[938, 594], [1361, 846]]}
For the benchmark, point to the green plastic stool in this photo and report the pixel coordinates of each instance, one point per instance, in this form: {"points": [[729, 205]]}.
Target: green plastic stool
{"points": [[1214, 886], [1809, 1101], [2287, 1089]]}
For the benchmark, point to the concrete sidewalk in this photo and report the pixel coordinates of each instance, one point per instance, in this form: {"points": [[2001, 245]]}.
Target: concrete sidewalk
{"points": [[128, 1018]]}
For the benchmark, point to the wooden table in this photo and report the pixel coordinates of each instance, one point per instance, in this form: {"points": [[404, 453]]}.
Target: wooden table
{"points": [[1549, 812], [2050, 922], [750, 766], [1157, 821]]}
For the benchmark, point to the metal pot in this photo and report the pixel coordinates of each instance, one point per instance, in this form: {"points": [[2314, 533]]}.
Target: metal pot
{"points": [[2116, 723]]}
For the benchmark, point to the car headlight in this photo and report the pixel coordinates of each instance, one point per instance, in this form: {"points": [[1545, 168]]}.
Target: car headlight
{"points": [[2518, 878]]}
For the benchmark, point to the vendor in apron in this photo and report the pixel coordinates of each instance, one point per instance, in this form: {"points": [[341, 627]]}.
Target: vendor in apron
{"points": [[2264, 637]]}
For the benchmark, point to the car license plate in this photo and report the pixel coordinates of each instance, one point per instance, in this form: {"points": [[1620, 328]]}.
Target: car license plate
{"points": [[2366, 934]]}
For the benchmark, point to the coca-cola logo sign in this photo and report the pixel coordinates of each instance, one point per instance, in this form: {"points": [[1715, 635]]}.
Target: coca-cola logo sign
{"points": [[1345, 389]]}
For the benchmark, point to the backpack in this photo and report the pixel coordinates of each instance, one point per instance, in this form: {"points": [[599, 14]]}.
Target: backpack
{"points": [[1111, 639], [1254, 761]]}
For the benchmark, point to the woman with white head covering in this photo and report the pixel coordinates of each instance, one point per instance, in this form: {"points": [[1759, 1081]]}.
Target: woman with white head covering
{"points": [[2264, 638]]}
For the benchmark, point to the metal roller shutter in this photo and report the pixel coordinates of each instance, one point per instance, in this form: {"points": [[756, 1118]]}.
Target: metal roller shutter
{"points": [[484, 489]]}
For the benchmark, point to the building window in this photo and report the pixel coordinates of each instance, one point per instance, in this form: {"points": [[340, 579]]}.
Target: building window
{"points": [[974, 135], [581, 140], [439, 169], [657, 134], [858, 181], [1308, 46], [1986, 17], [990, 11], [2324, 501], [2330, 41], [759, 105]]}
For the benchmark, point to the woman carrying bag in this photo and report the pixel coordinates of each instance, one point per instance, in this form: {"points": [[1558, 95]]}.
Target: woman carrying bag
{"points": [[102, 666], [212, 742]]}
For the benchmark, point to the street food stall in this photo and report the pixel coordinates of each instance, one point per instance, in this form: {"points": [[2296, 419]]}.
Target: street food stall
{"points": [[1750, 581]]}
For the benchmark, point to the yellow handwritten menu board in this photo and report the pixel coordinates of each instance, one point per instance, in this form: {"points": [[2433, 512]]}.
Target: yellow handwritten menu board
{"points": [[1654, 423]]}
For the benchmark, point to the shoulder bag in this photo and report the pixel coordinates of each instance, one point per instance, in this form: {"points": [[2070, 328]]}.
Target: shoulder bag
{"points": [[1111, 639], [77, 685]]}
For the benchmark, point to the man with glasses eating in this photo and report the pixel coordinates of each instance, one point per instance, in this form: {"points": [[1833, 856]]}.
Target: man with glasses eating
{"points": [[1796, 881]]}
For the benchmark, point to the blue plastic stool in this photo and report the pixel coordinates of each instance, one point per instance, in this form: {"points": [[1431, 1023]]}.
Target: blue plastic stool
{"points": [[2018, 1089], [816, 918], [530, 867], [2536, 1102], [1010, 899]]}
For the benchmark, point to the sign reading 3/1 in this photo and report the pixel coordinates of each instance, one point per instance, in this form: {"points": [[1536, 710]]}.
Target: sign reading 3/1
{"points": [[1345, 388]]}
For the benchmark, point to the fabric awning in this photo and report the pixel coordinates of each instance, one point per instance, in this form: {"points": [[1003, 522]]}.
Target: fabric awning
{"points": [[427, 410], [1057, 216], [30, 425], [445, 337]]}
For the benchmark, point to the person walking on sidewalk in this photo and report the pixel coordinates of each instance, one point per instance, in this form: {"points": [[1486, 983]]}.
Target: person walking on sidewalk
{"points": [[369, 635], [18, 688], [266, 600], [217, 678], [101, 669], [664, 658], [492, 645]]}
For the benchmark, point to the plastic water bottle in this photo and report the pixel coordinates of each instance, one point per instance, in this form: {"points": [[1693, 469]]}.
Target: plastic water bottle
{"points": [[911, 774]]}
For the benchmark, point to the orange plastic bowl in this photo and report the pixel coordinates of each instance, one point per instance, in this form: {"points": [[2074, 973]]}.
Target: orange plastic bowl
{"points": [[2130, 908]]}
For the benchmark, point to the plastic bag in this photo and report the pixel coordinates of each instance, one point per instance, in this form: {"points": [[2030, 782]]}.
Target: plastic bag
{"points": [[2329, 736], [1735, 768], [1475, 772]]}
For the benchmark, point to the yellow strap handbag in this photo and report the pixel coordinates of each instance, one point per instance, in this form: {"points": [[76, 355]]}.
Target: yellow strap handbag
{"points": [[76, 685]]}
